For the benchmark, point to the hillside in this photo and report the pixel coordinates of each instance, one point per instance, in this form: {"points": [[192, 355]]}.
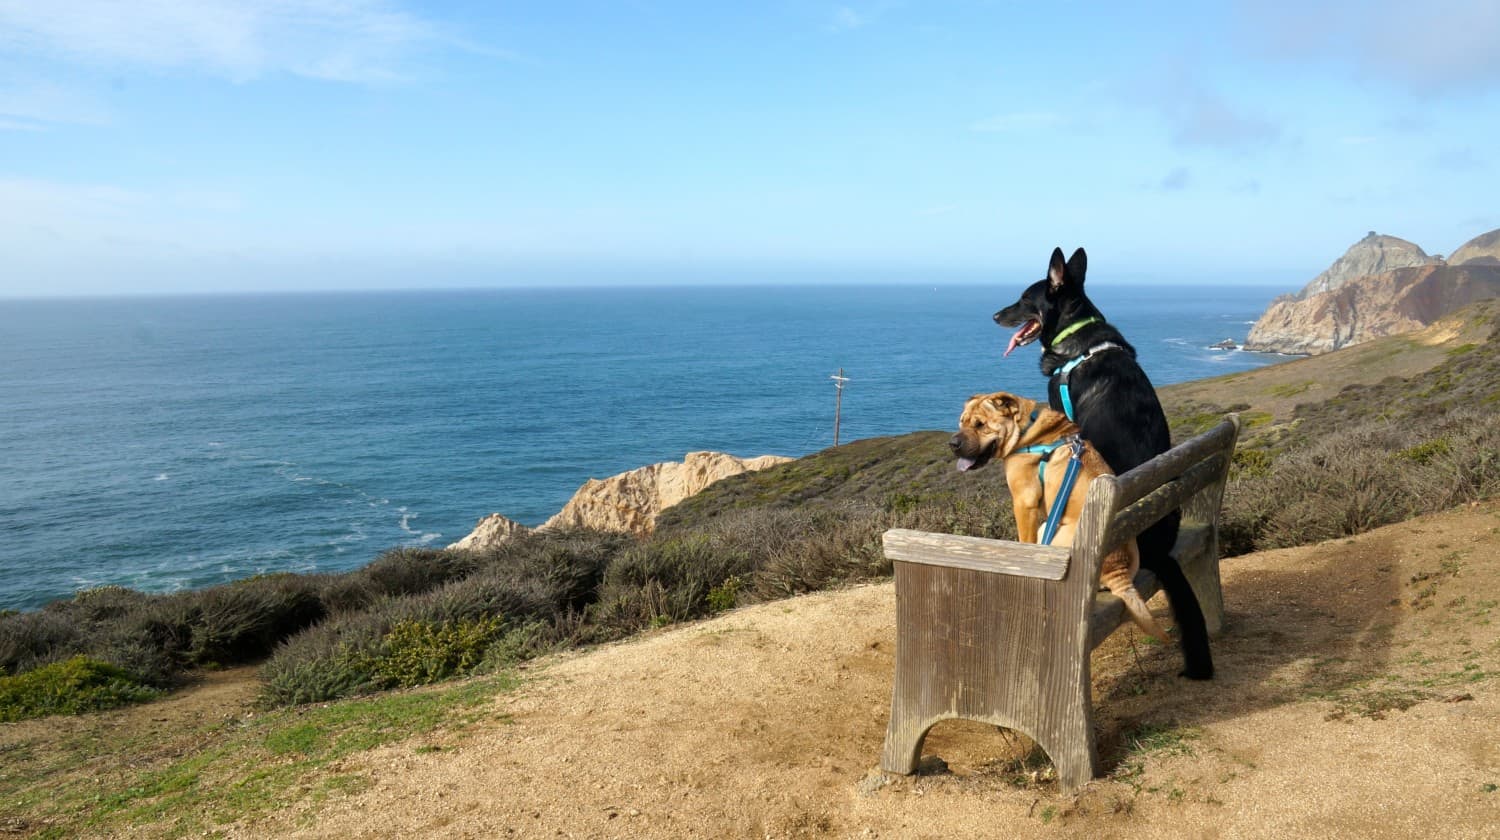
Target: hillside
{"points": [[1354, 677]]}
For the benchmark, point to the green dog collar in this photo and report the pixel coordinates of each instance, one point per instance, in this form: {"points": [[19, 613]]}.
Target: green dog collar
{"points": [[1073, 328]]}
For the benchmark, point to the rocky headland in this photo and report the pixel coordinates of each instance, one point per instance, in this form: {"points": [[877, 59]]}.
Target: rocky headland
{"points": [[629, 502], [1381, 286]]}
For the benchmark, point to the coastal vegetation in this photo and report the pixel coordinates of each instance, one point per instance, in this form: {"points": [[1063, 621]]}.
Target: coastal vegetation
{"points": [[1368, 455]]}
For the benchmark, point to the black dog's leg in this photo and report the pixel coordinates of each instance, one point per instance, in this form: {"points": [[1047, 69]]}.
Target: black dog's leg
{"points": [[1155, 545]]}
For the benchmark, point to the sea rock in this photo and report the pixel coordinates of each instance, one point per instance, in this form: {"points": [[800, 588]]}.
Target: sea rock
{"points": [[1370, 307], [1375, 254], [631, 501], [1483, 249], [491, 530]]}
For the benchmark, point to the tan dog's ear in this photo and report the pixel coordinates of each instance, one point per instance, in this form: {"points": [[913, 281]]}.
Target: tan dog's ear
{"points": [[1002, 404]]}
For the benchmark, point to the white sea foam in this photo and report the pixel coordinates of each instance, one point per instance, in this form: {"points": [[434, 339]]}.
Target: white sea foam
{"points": [[161, 477]]}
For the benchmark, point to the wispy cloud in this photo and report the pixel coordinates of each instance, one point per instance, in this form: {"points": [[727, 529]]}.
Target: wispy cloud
{"points": [[937, 210], [337, 40], [8, 124], [1176, 180], [36, 106], [1201, 117], [845, 18], [1017, 122], [1461, 159], [1437, 48]]}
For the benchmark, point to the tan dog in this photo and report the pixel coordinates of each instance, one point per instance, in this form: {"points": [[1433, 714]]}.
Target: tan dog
{"points": [[997, 426]]}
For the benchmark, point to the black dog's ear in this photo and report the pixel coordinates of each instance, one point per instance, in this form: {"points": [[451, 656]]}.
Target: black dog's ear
{"points": [[1057, 271], [1078, 265]]}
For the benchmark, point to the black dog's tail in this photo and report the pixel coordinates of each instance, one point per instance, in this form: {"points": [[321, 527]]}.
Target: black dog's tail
{"points": [[1156, 544]]}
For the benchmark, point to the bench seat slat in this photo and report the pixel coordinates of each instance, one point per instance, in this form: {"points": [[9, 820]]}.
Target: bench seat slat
{"points": [[1047, 562]]}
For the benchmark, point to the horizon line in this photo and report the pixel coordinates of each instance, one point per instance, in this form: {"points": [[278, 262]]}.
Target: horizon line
{"points": [[576, 287]]}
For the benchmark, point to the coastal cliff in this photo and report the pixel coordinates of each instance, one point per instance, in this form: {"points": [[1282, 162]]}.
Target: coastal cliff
{"points": [[629, 502], [1381, 286]]}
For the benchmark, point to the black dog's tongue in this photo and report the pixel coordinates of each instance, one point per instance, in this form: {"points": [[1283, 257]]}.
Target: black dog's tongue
{"points": [[1020, 336]]}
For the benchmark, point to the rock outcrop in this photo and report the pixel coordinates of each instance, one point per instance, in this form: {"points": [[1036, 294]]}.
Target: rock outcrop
{"points": [[1375, 254], [1380, 286], [629, 502], [1370, 307], [491, 530]]}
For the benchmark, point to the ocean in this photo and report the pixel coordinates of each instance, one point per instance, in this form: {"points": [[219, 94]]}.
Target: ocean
{"points": [[163, 443]]}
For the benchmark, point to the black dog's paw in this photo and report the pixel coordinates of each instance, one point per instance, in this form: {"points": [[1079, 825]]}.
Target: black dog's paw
{"points": [[1197, 673]]}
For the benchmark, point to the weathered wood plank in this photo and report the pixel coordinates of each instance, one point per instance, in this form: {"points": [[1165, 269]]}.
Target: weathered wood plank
{"points": [[1151, 507], [977, 553], [1174, 462]]}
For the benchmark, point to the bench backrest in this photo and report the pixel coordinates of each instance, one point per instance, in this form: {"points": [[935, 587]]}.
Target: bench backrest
{"points": [[1189, 476]]}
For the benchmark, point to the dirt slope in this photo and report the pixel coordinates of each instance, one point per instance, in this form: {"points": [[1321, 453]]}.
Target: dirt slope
{"points": [[1357, 697]]}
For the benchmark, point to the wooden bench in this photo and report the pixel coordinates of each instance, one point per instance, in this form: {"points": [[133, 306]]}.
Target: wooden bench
{"points": [[1000, 632]]}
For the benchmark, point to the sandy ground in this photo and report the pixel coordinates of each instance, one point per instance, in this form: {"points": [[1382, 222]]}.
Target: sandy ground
{"points": [[1356, 697]]}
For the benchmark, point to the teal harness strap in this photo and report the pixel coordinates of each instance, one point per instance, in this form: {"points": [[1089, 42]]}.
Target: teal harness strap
{"points": [[1066, 370], [1060, 503], [1045, 450]]}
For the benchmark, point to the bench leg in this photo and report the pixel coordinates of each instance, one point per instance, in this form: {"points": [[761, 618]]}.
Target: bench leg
{"points": [[1059, 717], [1203, 576]]}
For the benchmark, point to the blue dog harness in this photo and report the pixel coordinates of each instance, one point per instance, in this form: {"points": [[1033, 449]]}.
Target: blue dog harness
{"points": [[1060, 502], [1066, 370]]}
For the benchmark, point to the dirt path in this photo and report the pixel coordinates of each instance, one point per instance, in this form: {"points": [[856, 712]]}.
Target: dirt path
{"points": [[1357, 697]]}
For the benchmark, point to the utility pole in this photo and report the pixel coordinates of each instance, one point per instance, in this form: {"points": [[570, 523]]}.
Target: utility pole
{"points": [[838, 402]]}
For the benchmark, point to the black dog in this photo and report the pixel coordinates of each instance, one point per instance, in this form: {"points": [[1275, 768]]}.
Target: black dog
{"points": [[1095, 380]]}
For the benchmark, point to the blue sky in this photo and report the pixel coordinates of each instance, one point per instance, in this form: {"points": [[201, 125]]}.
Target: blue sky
{"points": [[223, 145]]}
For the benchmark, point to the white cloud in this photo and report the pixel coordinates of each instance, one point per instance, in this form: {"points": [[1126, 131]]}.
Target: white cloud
{"points": [[340, 40]]}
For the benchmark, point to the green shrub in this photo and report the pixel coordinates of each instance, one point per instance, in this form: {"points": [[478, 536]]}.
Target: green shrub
{"points": [[1426, 451], [1250, 463], [71, 686], [36, 638], [665, 580], [243, 621], [324, 662], [417, 653], [409, 571], [725, 595], [1371, 474]]}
